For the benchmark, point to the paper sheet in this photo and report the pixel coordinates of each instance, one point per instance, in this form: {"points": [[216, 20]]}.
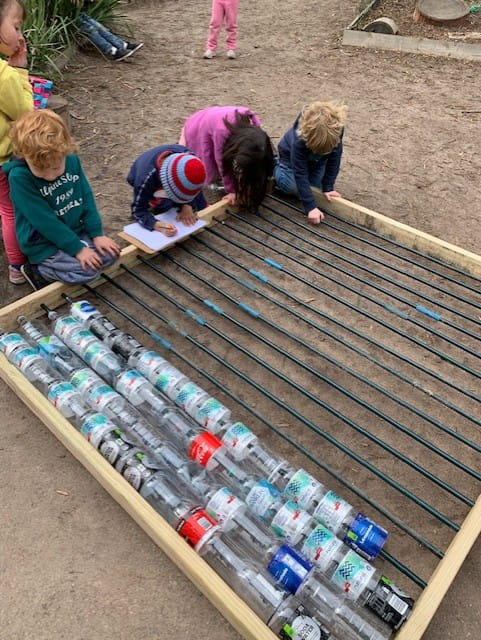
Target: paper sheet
{"points": [[156, 240]]}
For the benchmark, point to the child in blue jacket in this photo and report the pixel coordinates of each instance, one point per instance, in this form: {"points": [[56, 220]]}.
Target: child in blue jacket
{"points": [[310, 155]]}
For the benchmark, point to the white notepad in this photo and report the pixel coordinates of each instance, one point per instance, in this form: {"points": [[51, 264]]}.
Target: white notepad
{"points": [[156, 240]]}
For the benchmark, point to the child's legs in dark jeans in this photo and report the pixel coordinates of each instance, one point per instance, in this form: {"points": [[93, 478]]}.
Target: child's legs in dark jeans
{"points": [[98, 35], [65, 268]]}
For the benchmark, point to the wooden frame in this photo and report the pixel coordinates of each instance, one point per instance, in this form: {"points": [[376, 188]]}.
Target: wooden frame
{"points": [[205, 579]]}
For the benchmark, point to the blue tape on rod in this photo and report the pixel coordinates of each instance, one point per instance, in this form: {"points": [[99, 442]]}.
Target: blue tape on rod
{"points": [[273, 263], [250, 310], [213, 306], [258, 275], [427, 312], [246, 284], [194, 316], [165, 343], [397, 312]]}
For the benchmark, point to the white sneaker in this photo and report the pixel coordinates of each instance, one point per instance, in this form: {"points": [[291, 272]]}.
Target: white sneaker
{"points": [[231, 54], [209, 54]]}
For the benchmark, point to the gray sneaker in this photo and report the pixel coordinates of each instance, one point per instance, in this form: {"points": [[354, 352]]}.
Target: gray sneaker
{"points": [[209, 54], [231, 54]]}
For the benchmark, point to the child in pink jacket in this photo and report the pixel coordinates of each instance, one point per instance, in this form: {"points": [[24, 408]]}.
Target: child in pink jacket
{"points": [[233, 147], [223, 11]]}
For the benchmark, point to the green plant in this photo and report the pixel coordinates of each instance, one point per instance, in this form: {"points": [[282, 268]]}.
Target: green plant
{"points": [[50, 27]]}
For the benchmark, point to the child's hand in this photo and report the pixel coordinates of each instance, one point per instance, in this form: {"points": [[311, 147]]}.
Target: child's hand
{"points": [[231, 199], [167, 228], [104, 245], [89, 259], [315, 216], [187, 215], [19, 56], [329, 195]]}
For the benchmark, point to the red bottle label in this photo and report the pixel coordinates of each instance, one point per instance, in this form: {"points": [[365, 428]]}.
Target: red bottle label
{"points": [[203, 447], [194, 525]]}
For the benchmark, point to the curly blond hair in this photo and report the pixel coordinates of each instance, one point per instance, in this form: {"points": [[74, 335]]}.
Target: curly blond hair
{"points": [[321, 124], [42, 137]]}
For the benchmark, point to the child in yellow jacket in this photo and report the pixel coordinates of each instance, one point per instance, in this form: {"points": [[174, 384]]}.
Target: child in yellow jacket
{"points": [[15, 99]]}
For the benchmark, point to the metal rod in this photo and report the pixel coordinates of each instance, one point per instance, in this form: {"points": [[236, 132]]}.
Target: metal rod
{"points": [[358, 292], [348, 304], [399, 523], [419, 501], [268, 282]]}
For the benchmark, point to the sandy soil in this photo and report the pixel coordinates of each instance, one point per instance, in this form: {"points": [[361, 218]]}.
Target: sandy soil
{"points": [[74, 565]]}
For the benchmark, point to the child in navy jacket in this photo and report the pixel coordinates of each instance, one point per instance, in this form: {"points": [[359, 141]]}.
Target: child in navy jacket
{"points": [[165, 177]]}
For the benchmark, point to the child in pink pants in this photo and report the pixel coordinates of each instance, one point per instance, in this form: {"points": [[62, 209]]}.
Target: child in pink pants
{"points": [[223, 11]]}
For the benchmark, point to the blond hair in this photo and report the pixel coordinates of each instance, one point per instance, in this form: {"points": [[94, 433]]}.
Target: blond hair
{"points": [[321, 124], [42, 137]]}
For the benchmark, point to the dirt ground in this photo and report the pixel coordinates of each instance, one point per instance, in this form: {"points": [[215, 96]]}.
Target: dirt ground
{"points": [[73, 564]]}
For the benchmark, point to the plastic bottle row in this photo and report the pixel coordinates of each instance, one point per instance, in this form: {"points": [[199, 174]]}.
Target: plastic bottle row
{"points": [[327, 507], [346, 569]]}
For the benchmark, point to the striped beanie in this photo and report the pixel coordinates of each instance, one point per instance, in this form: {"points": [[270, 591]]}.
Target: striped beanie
{"points": [[182, 176]]}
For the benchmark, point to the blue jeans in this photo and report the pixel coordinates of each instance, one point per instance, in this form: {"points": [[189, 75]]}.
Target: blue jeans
{"points": [[286, 182], [99, 35], [65, 268]]}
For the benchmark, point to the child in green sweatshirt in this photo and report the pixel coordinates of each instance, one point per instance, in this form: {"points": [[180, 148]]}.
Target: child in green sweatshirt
{"points": [[57, 222]]}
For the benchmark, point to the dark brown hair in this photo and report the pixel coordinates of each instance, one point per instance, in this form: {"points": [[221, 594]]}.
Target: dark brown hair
{"points": [[248, 157]]}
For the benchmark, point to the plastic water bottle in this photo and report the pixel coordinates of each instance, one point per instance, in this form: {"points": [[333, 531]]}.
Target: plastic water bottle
{"points": [[28, 360], [103, 398], [52, 348], [92, 351], [348, 574], [141, 393]]}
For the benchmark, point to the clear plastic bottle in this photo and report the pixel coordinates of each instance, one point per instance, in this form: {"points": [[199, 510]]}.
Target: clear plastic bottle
{"points": [[52, 348], [86, 345], [28, 360], [103, 398]]}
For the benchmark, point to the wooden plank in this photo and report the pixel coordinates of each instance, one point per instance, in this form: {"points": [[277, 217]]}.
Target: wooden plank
{"points": [[409, 236], [51, 295], [443, 576], [235, 610], [407, 44]]}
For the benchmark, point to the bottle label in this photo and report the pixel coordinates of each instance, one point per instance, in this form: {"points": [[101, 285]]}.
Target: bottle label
{"points": [[238, 438], [23, 358], [124, 344], [64, 323], [203, 447], [321, 546], [94, 353], [83, 310], [262, 497], [332, 511], [11, 341], [302, 488], [102, 395], [60, 395], [129, 385], [302, 626], [210, 412], [136, 469], [189, 396], [105, 437], [365, 536], [390, 603], [51, 345], [289, 568], [167, 378], [290, 521], [223, 506], [79, 340], [84, 378], [353, 575], [148, 363], [194, 525]]}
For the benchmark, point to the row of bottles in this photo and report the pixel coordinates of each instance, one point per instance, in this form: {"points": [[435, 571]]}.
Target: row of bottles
{"points": [[345, 570], [288, 599]]}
